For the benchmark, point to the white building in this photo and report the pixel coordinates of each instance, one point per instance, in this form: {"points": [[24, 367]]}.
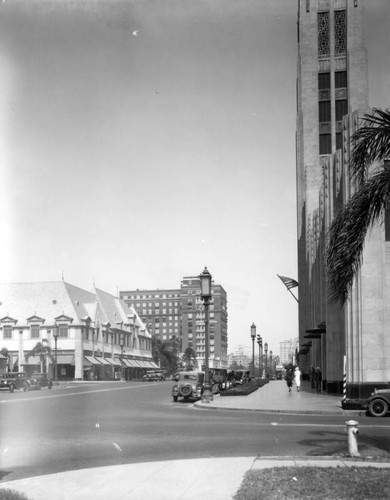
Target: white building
{"points": [[90, 334]]}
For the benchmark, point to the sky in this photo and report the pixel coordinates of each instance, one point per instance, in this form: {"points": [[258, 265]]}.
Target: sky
{"points": [[143, 140]]}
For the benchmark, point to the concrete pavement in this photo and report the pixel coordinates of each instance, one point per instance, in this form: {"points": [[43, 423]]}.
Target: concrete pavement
{"points": [[179, 479]]}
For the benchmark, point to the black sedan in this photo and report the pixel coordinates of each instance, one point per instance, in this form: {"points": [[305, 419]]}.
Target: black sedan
{"points": [[37, 381], [379, 403]]}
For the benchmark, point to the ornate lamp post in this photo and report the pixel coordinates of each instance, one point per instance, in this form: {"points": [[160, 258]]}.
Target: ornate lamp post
{"points": [[270, 364], [260, 342], [266, 360], [205, 295], [253, 335], [122, 343]]}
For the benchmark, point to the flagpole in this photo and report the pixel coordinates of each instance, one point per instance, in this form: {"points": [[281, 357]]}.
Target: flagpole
{"points": [[293, 295]]}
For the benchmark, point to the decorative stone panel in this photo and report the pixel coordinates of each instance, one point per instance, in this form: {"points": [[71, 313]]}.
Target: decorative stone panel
{"points": [[323, 65], [324, 95], [323, 5], [341, 93], [340, 63]]}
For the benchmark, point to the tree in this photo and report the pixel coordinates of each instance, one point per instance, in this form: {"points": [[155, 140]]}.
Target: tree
{"points": [[43, 351], [347, 233], [189, 359], [4, 352], [165, 352]]}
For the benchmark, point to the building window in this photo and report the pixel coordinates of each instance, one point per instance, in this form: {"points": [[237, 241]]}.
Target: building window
{"points": [[323, 34], [339, 140], [63, 330], [340, 79], [340, 31], [325, 144], [341, 109], [323, 81], [7, 332], [34, 331], [324, 111]]}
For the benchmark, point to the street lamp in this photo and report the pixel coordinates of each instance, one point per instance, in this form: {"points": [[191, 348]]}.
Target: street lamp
{"points": [[260, 342], [122, 342], [205, 295], [270, 363], [55, 335], [266, 361], [253, 335]]}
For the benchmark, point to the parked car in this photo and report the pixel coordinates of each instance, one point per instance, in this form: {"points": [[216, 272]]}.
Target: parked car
{"points": [[37, 381], [13, 380], [379, 403], [188, 386], [153, 375]]}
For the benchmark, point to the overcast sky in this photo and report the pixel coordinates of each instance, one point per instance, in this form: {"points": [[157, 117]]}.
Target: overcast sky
{"points": [[146, 139]]}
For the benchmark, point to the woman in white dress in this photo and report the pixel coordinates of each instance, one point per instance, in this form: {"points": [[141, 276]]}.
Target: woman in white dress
{"points": [[297, 377]]}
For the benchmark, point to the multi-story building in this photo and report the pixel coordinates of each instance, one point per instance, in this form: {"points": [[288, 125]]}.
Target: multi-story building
{"points": [[90, 334], [332, 95], [180, 312], [288, 349], [159, 309]]}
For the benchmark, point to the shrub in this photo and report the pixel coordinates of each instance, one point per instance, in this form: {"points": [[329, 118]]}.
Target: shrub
{"points": [[245, 389]]}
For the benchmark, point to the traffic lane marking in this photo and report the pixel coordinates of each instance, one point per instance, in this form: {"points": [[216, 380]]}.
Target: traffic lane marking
{"points": [[73, 394]]}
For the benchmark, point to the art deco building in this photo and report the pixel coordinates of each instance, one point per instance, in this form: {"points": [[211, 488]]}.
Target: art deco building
{"points": [[332, 95]]}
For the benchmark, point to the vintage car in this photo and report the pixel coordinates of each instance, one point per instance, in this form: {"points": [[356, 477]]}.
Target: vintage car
{"points": [[379, 403], [188, 386], [154, 375], [13, 380], [37, 381]]}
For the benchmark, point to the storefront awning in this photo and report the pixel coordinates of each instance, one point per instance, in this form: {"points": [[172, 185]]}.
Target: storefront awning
{"points": [[114, 361], [153, 364], [103, 361], [64, 359], [92, 360], [132, 363], [144, 364]]}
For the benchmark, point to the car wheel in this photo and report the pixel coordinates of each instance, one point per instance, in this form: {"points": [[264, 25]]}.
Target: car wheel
{"points": [[378, 408], [175, 398], [11, 388]]}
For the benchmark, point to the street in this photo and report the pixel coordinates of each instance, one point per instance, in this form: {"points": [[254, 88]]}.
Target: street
{"points": [[90, 425]]}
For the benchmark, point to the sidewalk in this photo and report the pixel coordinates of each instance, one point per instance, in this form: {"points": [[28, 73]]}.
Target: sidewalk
{"points": [[274, 397], [180, 479]]}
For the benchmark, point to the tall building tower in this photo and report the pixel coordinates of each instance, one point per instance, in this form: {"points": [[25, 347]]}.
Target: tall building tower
{"points": [[193, 326], [179, 312], [332, 96]]}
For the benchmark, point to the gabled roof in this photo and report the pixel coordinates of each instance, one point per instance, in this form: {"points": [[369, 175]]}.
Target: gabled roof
{"points": [[47, 300]]}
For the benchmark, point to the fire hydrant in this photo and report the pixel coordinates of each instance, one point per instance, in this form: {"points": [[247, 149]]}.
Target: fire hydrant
{"points": [[352, 430]]}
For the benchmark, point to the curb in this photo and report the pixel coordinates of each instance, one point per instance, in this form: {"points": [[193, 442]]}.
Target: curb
{"points": [[207, 406]]}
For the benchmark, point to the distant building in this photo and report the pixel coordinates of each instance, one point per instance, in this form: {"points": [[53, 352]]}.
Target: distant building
{"points": [[180, 312], [93, 334], [288, 348], [241, 356]]}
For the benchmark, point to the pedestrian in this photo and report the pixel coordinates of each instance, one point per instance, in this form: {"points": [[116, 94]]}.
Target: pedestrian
{"points": [[318, 379], [289, 377], [297, 377], [312, 376]]}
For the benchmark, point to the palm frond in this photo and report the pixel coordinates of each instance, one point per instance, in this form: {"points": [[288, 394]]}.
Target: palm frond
{"points": [[371, 142], [348, 232]]}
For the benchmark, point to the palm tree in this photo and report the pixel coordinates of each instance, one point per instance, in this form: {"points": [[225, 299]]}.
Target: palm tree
{"points": [[4, 352], [347, 233], [189, 359], [43, 351], [166, 352]]}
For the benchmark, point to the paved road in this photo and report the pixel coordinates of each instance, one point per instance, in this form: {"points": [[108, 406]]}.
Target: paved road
{"points": [[84, 426]]}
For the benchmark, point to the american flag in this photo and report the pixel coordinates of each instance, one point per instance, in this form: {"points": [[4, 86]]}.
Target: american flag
{"points": [[289, 282]]}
